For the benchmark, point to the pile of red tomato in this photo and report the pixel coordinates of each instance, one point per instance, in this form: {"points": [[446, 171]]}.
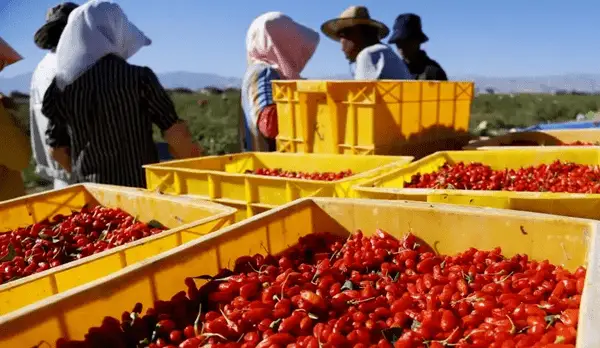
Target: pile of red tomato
{"points": [[536, 143], [358, 292], [555, 177], [325, 176], [581, 143], [51, 243]]}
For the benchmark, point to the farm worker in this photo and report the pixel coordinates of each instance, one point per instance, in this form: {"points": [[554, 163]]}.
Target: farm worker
{"points": [[47, 38], [15, 149], [408, 37], [361, 37], [100, 108], [278, 48]]}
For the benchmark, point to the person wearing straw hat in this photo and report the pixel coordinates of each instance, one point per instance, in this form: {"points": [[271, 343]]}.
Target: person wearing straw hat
{"points": [[277, 48], [360, 37], [408, 37], [14, 143], [47, 38], [101, 109]]}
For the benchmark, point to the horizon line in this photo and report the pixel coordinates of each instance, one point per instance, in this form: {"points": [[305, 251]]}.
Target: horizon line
{"points": [[581, 74]]}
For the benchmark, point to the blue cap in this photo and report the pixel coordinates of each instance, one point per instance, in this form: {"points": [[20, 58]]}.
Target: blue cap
{"points": [[408, 27]]}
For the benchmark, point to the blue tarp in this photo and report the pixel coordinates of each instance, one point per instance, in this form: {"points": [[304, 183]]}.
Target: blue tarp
{"points": [[564, 125]]}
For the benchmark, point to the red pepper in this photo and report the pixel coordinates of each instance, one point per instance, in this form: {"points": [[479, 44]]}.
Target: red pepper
{"points": [[165, 326], [570, 317], [279, 339], [193, 342]]}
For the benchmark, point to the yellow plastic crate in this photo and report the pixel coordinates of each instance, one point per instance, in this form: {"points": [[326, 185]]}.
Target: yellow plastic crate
{"points": [[222, 178], [413, 118], [187, 218], [390, 185], [449, 228], [541, 138], [245, 211]]}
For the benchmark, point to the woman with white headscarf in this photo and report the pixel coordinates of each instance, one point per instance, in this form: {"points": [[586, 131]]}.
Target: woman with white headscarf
{"points": [[101, 108], [15, 149], [278, 48]]}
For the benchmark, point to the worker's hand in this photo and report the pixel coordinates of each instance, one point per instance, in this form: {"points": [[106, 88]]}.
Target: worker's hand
{"points": [[62, 155], [181, 143]]}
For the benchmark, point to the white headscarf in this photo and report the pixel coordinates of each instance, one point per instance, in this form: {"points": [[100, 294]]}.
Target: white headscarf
{"points": [[94, 30], [277, 40]]}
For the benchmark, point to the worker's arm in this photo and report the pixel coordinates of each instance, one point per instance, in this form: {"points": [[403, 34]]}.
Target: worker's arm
{"points": [[181, 143], [57, 134], [58, 139], [62, 156], [162, 113]]}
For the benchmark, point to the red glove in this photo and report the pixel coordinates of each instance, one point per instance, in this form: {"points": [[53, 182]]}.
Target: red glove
{"points": [[267, 122]]}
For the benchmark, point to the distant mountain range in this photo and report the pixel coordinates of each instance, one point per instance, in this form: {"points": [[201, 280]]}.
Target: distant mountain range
{"points": [[189, 80], [194, 81]]}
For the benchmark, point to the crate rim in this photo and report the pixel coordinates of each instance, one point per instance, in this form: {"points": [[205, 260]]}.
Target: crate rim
{"points": [[521, 148], [478, 193], [372, 82], [371, 185], [140, 266], [400, 162], [588, 299], [474, 145], [221, 212]]}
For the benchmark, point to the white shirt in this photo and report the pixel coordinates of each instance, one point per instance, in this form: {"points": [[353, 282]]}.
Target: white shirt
{"points": [[380, 62], [40, 81]]}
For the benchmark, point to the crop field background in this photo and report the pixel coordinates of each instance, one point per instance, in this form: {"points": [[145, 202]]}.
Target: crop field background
{"points": [[214, 118]]}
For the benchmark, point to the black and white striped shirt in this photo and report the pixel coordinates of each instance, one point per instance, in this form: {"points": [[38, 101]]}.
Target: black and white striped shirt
{"points": [[105, 117]]}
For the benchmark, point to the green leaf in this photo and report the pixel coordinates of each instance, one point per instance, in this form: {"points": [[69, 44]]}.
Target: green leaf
{"points": [[415, 325], [274, 325], [10, 254], [103, 235], [347, 285], [204, 277], [155, 224], [44, 236], [392, 334]]}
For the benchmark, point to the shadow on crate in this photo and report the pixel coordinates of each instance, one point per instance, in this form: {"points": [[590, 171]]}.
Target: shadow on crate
{"points": [[430, 140], [522, 139]]}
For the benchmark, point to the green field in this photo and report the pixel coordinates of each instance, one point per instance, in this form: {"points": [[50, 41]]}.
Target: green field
{"points": [[215, 124]]}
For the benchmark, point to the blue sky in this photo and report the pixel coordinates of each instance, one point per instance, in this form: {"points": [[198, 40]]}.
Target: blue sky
{"points": [[492, 38]]}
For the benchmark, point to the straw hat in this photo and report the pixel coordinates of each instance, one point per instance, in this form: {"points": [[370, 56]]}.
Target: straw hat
{"points": [[7, 54], [352, 16]]}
